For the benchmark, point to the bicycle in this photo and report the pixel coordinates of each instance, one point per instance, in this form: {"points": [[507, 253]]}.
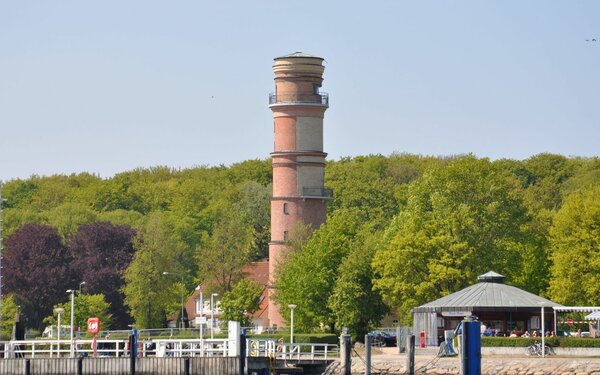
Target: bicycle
{"points": [[536, 349]]}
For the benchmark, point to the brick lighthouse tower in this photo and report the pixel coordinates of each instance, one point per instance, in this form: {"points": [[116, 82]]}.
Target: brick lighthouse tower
{"points": [[298, 159]]}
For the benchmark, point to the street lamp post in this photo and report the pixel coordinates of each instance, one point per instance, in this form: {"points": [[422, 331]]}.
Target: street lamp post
{"points": [[59, 311], [212, 315], [72, 291], [80, 285], [292, 307], [201, 325], [543, 304], [182, 292]]}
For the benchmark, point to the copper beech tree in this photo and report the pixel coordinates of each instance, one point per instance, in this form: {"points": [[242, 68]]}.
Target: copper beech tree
{"points": [[36, 270]]}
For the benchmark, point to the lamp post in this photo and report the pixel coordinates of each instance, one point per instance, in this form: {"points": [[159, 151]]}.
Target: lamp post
{"points": [[72, 291], [543, 304], [59, 311], [201, 325], [182, 290], [292, 307], [212, 315], [80, 285]]}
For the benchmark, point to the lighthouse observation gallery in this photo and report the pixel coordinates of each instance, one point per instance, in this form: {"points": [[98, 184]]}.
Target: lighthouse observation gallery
{"points": [[299, 195]]}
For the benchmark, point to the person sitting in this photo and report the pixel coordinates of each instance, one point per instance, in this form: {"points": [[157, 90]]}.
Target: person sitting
{"points": [[534, 334], [526, 334], [514, 333]]}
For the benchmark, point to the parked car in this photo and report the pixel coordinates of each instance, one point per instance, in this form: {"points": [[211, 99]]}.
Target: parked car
{"points": [[383, 338]]}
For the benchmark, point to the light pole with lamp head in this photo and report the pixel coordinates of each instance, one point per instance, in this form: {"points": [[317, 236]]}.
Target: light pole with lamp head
{"points": [[292, 307], [72, 291], [182, 290], [212, 315], [80, 285], [59, 311]]}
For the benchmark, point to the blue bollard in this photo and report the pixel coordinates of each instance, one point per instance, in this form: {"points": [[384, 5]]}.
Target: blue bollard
{"points": [[471, 346], [133, 342]]}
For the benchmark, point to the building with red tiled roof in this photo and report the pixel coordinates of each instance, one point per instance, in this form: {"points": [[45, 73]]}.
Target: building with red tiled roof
{"points": [[198, 304]]}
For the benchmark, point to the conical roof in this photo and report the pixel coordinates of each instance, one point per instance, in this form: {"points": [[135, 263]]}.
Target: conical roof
{"points": [[298, 54], [489, 294]]}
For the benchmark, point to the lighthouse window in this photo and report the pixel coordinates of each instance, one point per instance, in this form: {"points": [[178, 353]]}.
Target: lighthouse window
{"points": [[286, 210], [286, 235]]}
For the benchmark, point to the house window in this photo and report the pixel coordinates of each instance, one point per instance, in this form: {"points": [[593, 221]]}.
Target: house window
{"points": [[286, 235], [286, 209]]}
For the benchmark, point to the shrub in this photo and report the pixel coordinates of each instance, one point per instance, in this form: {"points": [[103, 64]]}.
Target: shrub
{"points": [[563, 342]]}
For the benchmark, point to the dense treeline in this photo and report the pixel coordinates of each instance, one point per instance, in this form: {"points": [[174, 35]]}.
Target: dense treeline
{"points": [[402, 230]]}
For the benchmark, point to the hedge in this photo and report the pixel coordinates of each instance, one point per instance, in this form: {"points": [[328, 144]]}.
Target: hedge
{"points": [[563, 342]]}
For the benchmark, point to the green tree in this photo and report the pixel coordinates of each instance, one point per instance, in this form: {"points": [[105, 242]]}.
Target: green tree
{"points": [[354, 302], [149, 294], [67, 218], [221, 259], [254, 204], [362, 183], [543, 176], [242, 301], [575, 241], [9, 311], [307, 277], [86, 306], [461, 220]]}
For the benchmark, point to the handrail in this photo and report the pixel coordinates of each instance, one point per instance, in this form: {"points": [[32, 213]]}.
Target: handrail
{"points": [[169, 348], [317, 192], [297, 351], [55, 348], [115, 348], [292, 97]]}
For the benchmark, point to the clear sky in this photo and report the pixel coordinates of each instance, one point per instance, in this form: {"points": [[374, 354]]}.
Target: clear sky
{"points": [[108, 86]]}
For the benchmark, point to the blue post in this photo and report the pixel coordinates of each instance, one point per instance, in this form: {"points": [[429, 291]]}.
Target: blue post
{"points": [[134, 342], [471, 346]]}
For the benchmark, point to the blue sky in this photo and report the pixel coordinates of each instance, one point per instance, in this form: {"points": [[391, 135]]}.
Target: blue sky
{"points": [[108, 86]]}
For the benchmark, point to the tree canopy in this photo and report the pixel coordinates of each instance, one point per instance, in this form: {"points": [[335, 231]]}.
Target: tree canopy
{"points": [[241, 301], [575, 250], [86, 306], [460, 221], [101, 253], [150, 295], [401, 229], [36, 270]]}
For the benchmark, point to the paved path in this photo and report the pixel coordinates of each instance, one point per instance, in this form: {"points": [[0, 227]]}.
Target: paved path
{"points": [[390, 362]]}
